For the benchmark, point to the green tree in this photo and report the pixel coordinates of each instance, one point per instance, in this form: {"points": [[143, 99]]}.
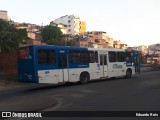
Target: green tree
{"points": [[70, 43], [22, 33], [52, 35], [10, 37]]}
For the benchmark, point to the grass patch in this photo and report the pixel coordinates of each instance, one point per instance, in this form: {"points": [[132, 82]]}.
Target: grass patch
{"points": [[6, 80]]}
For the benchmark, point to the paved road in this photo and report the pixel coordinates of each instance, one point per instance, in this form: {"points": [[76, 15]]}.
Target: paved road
{"points": [[140, 93]]}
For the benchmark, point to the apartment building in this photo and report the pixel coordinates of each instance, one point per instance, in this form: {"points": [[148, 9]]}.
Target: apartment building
{"points": [[73, 24], [3, 15], [82, 27], [61, 26]]}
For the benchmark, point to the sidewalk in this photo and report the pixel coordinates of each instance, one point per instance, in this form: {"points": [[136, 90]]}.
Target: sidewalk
{"points": [[149, 67]]}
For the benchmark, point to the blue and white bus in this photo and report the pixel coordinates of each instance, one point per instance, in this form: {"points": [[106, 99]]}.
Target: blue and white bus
{"points": [[61, 64]]}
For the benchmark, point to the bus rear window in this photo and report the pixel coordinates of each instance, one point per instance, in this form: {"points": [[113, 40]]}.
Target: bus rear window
{"points": [[46, 57], [24, 53]]}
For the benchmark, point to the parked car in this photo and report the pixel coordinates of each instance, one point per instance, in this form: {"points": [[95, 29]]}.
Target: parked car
{"points": [[154, 61]]}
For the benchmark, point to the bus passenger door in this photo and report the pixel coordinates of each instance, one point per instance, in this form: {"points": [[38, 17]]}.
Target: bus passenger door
{"points": [[63, 66], [103, 66]]}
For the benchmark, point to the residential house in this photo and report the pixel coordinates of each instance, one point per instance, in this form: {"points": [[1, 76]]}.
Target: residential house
{"points": [[3, 15], [97, 39], [33, 32], [154, 49], [118, 44]]}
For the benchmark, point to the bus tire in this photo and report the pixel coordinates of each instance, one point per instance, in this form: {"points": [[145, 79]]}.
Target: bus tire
{"points": [[84, 77], [128, 73]]}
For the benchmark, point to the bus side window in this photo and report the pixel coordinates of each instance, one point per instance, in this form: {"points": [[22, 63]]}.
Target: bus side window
{"points": [[51, 57], [84, 57], [121, 56], [42, 57], [74, 56], [70, 57], [128, 59], [91, 57], [112, 56], [46, 56]]}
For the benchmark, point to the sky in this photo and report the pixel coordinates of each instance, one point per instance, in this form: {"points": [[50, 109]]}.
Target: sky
{"points": [[134, 22]]}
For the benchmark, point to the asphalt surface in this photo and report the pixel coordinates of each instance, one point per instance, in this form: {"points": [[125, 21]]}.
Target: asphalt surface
{"points": [[141, 93], [34, 97]]}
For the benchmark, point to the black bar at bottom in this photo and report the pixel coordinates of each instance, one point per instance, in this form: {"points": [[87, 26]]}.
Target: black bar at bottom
{"points": [[101, 114], [80, 114]]}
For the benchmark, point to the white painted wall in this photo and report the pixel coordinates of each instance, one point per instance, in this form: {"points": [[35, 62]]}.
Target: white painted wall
{"points": [[72, 22]]}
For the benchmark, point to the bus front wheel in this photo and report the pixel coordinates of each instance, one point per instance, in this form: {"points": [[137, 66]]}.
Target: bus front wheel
{"points": [[84, 78], [128, 73]]}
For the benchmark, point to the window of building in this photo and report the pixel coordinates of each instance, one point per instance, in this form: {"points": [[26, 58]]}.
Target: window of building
{"points": [[112, 56], [97, 40], [46, 56], [95, 33], [69, 21]]}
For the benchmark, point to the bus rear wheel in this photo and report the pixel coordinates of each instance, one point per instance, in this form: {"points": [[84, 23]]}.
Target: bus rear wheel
{"points": [[84, 78], [128, 73]]}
